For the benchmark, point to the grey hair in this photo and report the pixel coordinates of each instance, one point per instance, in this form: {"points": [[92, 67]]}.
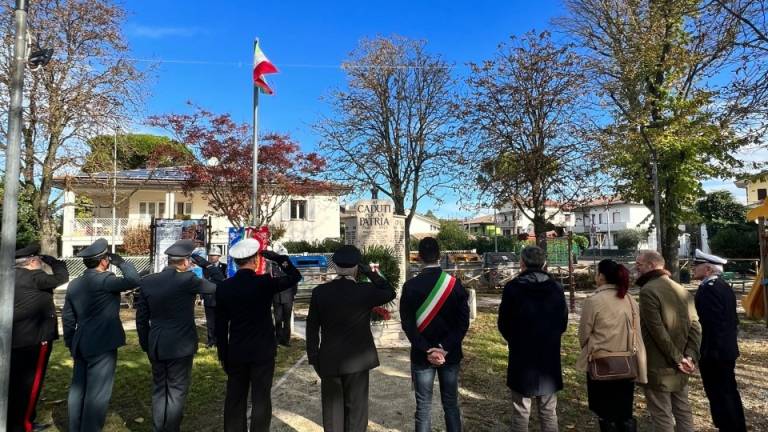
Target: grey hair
{"points": [[651, 256], [347, 271], [22, 262], [533, 257], [716, 268]]}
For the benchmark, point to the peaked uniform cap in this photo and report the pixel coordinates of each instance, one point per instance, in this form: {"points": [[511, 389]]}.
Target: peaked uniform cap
{"points": [[28, 251], [701, 257], [181, 249], [215, 251], [245, 248], [347, 256], [95, 250]]}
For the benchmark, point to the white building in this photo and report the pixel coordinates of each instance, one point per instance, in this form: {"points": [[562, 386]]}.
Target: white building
{"points": [[143, 194], [424, 225], [599, 220], [511, 221]]}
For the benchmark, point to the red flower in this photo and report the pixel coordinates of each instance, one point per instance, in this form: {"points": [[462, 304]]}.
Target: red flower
{"points": [[382, 312]]}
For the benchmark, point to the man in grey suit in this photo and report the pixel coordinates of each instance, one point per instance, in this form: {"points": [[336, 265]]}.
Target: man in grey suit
{"points": [[165, 321], [93, 332]]}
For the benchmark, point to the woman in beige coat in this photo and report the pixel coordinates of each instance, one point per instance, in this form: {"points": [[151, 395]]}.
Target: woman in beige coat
{"points": [[610, 322]]}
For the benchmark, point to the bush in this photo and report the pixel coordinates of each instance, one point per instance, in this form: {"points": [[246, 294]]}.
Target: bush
{"points": [[736, 241], [326, 246], [627, 239], [136, 240], [385, 256], [581, 241], [452, 236], [486, 244]]}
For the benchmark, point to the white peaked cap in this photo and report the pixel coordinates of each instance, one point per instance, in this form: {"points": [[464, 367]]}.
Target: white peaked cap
{"points": [[701, 257], [245, 248]]}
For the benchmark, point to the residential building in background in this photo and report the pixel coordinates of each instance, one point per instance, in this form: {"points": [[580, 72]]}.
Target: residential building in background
{"points": [[756, 188], [143, 194]]}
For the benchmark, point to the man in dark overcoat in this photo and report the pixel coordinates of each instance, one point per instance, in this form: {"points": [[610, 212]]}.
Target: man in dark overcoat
{"points": [[246, 336], [35, 327], [716, 306], [533, 316], [93, 332], [165, 322], [209, 300], [339, 341]]}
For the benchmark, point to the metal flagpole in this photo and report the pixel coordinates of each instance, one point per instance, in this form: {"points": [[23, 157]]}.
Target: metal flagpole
{"points": [[254, 197], [10, 202]]}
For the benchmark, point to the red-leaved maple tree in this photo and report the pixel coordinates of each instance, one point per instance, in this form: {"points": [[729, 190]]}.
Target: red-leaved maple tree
{"points": [[222, 168]]}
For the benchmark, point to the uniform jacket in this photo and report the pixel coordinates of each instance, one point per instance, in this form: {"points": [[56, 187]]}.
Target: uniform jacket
{"points": [[165, 313], [339, 339], [34, 315], [606, 325], [91, 314], [209, 300], [532, 318], [670, 327], [449, 326], [716, 307], [244, 329]]}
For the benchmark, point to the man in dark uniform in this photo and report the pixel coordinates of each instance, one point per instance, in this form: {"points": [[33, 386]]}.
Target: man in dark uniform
{"points": [[209, 300], [35, 327], [245, 338], [434, 310], [339, 342], [93, 332], [716, 306], [282, 305], [165, 322]]}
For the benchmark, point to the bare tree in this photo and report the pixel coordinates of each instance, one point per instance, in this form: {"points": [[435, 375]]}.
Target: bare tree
{"points": [[88, 87], [525, 112], [391, 129]]}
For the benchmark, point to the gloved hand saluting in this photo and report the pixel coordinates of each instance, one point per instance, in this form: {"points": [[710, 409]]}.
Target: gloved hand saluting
{"points": [[274, 256], [115, 259], [200, 261], [364, 268], [48, 259]]}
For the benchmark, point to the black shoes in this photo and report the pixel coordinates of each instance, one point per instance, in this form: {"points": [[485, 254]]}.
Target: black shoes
{"points": [[625, 426]]}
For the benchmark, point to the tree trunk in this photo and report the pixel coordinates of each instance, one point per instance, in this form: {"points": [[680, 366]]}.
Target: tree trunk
{"points": [[49, 235], [670, 247]]}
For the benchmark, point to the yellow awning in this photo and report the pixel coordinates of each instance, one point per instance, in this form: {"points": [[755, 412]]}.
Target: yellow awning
{"points": [[758, 212]]}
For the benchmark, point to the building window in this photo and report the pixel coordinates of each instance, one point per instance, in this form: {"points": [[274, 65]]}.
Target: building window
{"points": [[298, 209], [183, 208], [761, 194], [600, 217], [149, 209], [616, 217]]}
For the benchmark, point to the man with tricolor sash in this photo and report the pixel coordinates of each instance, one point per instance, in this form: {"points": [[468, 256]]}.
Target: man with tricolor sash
{"points": [[434, 311]]}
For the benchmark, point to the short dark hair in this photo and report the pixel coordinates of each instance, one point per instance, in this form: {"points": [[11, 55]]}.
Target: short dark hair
{"points": [[92, 262], [533, 257], [429, 250], [243, 261]]}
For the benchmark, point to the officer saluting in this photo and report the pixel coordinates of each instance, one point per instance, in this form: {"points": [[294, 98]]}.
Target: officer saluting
{"points": [[93, 332], [165, 322], [716, 306], [245, 334], [339, 341], [209, 300], [34, 329]]}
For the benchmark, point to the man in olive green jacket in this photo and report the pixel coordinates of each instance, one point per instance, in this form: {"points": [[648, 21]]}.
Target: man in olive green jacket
{"points": [[672, 336]]}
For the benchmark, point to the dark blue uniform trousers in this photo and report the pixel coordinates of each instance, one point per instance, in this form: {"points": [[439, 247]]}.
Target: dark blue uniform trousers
{"points": [[720, 386], [170, 388], [90, 392]]}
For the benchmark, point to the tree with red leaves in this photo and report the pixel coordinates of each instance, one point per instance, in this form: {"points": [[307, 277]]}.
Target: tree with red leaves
{"points": [[222, 167]]}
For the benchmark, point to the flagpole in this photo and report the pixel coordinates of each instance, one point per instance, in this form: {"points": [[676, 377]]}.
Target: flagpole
{"points": [[254, 197]]}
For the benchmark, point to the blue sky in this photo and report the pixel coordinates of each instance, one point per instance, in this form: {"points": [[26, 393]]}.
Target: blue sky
{"points": [[307, 41]]}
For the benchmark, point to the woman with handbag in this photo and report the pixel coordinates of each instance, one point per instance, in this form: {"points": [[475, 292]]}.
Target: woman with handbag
{"points": [[612, 350]]}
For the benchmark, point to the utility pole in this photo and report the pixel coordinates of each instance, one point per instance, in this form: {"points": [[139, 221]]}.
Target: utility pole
{"points": [[655, 179], [10, 204], [114, 191]]}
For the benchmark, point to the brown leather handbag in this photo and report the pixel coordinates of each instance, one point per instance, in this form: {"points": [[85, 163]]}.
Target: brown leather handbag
{"points": [[618, 365]]}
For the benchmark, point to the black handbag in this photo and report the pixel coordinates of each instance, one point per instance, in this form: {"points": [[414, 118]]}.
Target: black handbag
{"points": [[618, 365]]}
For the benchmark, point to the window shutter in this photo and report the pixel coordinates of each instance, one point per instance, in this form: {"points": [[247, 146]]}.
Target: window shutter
{"points": [[310, 210], [285, 211]]}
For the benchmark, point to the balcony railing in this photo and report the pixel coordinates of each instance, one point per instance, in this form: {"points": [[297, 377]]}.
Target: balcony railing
{"points": [[100, 227]]}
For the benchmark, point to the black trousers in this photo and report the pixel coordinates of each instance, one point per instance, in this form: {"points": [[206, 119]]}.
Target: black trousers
{"points": [[719, 382], [28, 367], [345, 402], [282, 312], [170, 380], [210, 325], [240, 379], [90, 392], [611, 400]]}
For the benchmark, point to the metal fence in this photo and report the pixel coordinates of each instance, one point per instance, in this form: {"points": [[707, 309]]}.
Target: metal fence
{"points": [[76, 267]]}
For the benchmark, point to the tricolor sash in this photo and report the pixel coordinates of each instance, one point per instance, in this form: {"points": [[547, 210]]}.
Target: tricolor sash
{"points": [[435, 300]]}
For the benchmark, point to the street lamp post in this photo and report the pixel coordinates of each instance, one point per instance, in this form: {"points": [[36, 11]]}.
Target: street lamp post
{"points": [[10, 203]]}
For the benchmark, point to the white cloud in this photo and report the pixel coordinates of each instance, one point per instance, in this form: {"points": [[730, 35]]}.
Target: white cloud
{"points": [[160, 32]]}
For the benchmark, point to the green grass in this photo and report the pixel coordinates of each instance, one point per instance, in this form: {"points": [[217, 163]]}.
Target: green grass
{"points": [[130, 407]]}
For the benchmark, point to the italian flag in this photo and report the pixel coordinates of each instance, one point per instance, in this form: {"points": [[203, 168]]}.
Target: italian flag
{"points": [[261, 67], [435, 300]]}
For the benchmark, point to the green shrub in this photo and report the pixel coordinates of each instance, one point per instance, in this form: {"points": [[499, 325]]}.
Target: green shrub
{"points": [[326, 246], [736, 241], [628, 239]]}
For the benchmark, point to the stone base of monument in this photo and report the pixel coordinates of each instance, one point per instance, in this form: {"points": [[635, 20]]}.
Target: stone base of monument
{"points": [[389, 334]]}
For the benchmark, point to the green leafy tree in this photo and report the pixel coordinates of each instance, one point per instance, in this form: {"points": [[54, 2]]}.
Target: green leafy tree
{"points": [[736, 241], [651, 63], [719, 209], [452, 236], [27, 230], [134, 151], [628, 239]]}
